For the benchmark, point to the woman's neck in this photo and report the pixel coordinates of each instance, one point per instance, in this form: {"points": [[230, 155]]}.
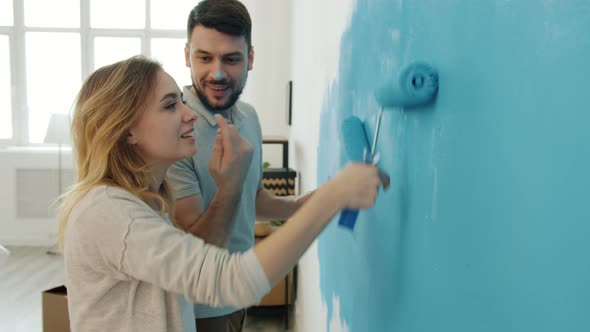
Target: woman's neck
{"points": [[157, 174]]}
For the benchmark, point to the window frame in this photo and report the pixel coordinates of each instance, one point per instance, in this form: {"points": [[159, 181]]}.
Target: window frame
{"points": [[17, 53]]}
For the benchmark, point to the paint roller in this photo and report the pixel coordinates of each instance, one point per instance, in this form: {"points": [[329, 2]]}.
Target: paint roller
{"points": [[357, 148], [416, 85]]}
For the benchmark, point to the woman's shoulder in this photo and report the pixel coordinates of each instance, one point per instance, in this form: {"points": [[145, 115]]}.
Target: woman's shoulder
{"points": [[109, 203], [105, 195]]}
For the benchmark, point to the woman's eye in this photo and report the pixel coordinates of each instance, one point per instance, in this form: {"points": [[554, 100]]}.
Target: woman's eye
{"points": [[170, 106]]}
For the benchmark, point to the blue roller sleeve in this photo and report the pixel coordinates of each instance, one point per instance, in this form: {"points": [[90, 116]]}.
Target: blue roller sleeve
{"points": [[417, 84], [354, 139], [356, 143]]}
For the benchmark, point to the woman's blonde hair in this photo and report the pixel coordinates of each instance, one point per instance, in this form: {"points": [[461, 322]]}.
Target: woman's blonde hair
{"points": [[110, 102]]}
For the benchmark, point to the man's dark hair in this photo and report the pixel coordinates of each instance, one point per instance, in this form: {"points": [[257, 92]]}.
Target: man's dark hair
{"points": [[227, 16]]}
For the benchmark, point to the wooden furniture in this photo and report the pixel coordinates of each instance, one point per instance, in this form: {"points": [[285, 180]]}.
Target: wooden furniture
{"points": [[282, 141], [281, 182], [282, 293]]}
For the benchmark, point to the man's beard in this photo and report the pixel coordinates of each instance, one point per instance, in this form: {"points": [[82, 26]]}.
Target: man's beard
{"points": [[230, 101]]}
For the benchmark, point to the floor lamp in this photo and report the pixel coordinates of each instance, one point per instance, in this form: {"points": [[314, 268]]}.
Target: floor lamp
{"points": [[4, 253], [58, 132]]}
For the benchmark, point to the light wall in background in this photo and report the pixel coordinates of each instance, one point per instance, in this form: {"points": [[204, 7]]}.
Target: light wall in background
{"points": [[266, 89]]}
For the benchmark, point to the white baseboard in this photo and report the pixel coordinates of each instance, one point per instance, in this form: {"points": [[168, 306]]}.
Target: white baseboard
{"points": [[30, 241]]}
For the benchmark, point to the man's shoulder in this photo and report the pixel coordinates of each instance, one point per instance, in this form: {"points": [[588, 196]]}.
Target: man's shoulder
{"points": [[245, 107], [248, 114]]}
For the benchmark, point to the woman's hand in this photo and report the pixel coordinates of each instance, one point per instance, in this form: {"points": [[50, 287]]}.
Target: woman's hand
{"points": [[357, 185]]}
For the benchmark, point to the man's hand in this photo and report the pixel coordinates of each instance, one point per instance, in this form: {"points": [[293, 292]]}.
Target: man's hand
{"points": [[231, 157]]}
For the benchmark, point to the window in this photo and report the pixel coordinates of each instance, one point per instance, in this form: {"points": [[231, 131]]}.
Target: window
{"points": [[64, 13], [5, 98], [111, 49], [52, 79], [117, 14], [6, 13], [47, 48], [170, 15], [166, 51]]}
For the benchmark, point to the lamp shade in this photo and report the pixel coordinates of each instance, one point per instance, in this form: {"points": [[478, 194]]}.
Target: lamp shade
{"points": [[58, 130]]}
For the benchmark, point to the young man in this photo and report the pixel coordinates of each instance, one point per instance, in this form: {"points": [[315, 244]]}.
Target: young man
{"points": [[220, 54]]}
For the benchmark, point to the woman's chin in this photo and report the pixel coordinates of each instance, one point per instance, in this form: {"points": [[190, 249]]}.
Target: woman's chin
{"points": [[191, 152]]}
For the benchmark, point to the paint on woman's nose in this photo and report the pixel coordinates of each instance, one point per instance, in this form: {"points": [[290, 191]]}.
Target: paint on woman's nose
{"points": [[218, 75]]}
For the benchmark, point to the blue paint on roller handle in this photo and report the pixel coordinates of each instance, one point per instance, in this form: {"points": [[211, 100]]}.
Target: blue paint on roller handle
{"points": [[348, 218], [356, 143]]}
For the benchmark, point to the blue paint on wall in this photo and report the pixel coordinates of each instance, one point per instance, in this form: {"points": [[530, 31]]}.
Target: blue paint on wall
{"points": [[486, 225]]}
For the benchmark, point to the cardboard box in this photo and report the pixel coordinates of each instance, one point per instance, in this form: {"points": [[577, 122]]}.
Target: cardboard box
{"points": [[55, 310]]}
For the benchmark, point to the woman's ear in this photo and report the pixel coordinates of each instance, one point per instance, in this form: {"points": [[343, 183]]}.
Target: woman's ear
{"points": [[131, 138]]}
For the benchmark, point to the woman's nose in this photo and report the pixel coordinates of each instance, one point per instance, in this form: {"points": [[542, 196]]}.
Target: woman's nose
{"points": [[189, 115]]}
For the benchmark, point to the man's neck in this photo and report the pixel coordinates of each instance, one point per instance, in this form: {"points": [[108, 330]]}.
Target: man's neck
{"points": [[227, 114]]}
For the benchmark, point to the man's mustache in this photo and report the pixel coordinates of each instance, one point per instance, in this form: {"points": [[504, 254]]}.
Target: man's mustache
{"points": [[218, 82]]}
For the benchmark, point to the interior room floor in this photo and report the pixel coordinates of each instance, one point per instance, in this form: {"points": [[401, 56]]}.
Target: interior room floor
{"points": [[29, 271]]}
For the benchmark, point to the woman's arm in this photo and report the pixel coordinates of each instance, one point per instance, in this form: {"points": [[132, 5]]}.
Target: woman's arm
{"points": [[272, 207], [115, 234], [355, 187]]}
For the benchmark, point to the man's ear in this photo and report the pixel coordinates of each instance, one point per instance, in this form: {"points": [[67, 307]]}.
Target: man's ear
{"points": [[187, 55], [251, 58]]}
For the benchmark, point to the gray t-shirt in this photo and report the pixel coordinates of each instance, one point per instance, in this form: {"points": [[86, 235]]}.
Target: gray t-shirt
{"points": [[129, 269], [191, 176]]}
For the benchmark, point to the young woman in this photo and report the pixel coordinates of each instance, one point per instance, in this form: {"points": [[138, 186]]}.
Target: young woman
{"points": [[127, 267]]}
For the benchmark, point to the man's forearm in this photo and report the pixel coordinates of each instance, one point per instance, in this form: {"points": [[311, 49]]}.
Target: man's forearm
{"points": [[270, 207], [282, 209], [216, 223]]}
